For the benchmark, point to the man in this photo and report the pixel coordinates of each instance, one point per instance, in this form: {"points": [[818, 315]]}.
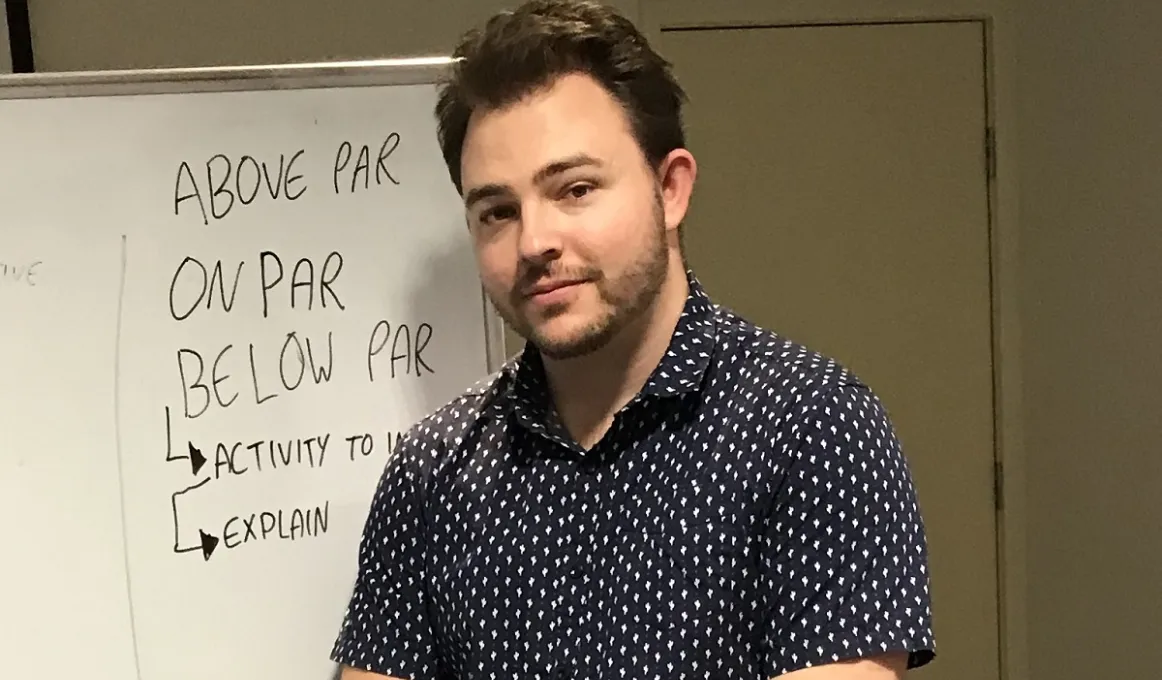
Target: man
{"points": [[654, 487]]}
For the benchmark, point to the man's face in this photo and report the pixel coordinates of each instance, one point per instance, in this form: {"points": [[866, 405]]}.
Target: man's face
{"points": [[566, 216]]}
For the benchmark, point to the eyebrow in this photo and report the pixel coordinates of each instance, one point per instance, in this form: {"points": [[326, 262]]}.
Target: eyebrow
{"points": [[484, 191]]}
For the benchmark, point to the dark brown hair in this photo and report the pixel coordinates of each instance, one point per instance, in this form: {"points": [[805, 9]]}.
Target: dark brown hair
{"points": [[520, 51]]}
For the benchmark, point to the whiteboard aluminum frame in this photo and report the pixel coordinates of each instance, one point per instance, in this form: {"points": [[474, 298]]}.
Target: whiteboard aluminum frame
{"points": [[366, 73], [5, 42], [291, 76]]}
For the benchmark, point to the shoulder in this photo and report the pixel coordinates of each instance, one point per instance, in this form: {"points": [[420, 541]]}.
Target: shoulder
{"points": [[780, 377], [815, 416], [437, 435], [800, 407]]}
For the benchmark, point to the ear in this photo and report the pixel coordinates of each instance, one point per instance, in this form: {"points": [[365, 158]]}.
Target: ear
{"points": [[676, 175]]}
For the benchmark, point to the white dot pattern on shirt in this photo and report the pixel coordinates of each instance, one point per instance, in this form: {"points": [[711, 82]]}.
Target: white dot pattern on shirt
{"points": [[749, 514]]}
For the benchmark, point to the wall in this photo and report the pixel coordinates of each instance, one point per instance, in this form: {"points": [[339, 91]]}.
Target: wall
{"points": [[1091, 241], [107, 34]]}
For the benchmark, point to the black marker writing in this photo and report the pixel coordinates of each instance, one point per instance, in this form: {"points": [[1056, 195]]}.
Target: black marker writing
{"points": [[311, 285], [298, 358], [363, 163], [393, 440], [193, 285], [19, 273], [228, 184], [296, 524], [293, 364], [364, 444], [192, 368], [405, 347], [206, 543], [237, 458], [303, 276], [361, 442], [193, 453]]}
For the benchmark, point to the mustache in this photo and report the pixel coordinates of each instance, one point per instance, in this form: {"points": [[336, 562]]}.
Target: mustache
{"points": [[533, 275]]}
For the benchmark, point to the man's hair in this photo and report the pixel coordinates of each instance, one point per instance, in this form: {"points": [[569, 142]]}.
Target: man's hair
{"points": [[521, 51]]}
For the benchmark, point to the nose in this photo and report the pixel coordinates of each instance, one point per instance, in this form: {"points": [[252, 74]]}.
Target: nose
{"points": [[540, 234]]}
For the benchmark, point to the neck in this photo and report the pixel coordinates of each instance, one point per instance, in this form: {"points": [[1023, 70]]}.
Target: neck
{"points": [[587, 391]]}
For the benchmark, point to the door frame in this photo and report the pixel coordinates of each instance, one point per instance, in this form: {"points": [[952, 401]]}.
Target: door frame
{"points": [[998, 24]]}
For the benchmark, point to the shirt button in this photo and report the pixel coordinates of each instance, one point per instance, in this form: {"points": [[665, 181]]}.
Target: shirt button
{"points": [[576, 573]]}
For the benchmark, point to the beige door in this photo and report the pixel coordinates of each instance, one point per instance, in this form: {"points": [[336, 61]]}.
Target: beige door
{"points": [[842, 201]]}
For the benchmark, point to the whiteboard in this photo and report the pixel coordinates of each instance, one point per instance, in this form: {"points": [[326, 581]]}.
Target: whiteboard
{"points": [[224, 293]]}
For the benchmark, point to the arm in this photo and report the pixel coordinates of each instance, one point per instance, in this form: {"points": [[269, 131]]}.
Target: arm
{"points": [[844, 555], [385, 631]]}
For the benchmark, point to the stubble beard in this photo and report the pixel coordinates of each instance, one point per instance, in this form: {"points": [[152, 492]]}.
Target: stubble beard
{"points": [[625, 299]]}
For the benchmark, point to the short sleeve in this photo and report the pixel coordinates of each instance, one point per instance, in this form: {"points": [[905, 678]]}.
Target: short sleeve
{"points": [[844, 553], [386, 628]]}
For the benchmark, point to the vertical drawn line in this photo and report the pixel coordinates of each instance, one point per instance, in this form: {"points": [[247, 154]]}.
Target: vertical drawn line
{"points": [[120, 466], [173, 499]]}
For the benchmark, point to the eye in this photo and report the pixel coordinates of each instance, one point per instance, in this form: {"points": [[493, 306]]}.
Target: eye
{"points": [[579, 190], [496, 213]]}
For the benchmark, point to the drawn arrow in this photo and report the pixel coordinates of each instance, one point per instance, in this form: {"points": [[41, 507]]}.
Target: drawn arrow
{"points": [[197, 460], [207, 542]]}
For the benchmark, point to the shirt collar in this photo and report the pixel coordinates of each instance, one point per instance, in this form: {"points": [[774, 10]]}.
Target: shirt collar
{"points": [[680, 371], [684, 364]]}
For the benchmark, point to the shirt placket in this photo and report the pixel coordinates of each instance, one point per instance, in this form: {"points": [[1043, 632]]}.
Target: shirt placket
{"points": [[573, 577], [579, 607]]}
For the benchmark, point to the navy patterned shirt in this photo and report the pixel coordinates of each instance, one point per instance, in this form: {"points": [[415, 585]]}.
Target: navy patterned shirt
{"points": [[748, 513]]}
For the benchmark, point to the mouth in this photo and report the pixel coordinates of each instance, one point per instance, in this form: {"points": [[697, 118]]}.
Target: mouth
{"points": [[550, 290]]}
